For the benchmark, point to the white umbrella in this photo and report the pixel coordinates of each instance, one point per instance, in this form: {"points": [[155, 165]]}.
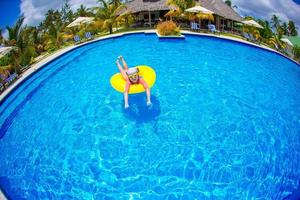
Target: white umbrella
{"points": [[4, 51], [81, 20], [252, 23], [199, 9], [287, 41]]}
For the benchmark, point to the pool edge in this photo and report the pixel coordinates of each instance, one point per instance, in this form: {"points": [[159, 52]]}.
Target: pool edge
{"points": [[36, 67], [2, 196], [242, 41]]}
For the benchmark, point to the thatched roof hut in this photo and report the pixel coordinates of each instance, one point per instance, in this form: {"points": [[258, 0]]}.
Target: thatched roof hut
{"points": [[221, 9], [217, 6], [136, 6]]}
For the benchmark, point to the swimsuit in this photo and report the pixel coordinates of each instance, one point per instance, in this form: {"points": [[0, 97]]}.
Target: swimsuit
{"points": [[132, 71]]}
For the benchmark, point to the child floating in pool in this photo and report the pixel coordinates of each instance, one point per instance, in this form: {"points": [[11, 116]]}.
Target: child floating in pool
{"points": [[131, 75]]}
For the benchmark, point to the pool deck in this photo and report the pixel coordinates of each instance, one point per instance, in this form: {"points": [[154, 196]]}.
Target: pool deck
{"points": [[60, 52], [2, 197]]}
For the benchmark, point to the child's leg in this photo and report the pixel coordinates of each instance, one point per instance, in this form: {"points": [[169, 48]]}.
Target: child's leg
{"points": [[127, 87], [145, 85], [124, 75]]}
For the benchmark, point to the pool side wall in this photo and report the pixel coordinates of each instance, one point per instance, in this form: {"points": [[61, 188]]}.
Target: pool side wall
{"points": [[61, 52]]}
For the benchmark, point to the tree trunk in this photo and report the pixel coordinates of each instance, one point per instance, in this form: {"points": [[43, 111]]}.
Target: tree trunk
{"points": [[110, 29]]}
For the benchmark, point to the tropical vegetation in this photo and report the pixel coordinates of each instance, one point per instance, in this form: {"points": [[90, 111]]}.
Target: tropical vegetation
{"points": [[52, 33], [296, 52], [180, 7], [272, 32], [228, 3], [168, 28], [108, 12]]}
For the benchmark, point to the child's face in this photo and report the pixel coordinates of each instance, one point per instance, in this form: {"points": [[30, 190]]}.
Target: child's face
{"points": [[134, 77]]}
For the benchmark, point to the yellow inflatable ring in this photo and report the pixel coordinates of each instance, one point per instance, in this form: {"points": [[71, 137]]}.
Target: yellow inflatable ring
{"points": [[146, 72]]}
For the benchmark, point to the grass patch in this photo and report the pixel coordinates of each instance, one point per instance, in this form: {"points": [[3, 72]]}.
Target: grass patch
{"points": [[233, 35]]}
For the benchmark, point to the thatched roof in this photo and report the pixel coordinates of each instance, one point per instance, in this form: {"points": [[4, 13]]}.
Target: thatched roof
{"points": [[217, 6], [221, 9], [136, 6]]}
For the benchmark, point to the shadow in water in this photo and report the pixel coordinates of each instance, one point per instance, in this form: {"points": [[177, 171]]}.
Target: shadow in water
{"points": [[139, 111], [295, 194]]}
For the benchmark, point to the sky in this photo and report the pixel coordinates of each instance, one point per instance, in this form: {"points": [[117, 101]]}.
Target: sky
{"points": [[34, 10], [264, 9], [9, 12]]}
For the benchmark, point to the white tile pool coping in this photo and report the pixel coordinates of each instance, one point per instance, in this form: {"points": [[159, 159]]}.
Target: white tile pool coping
{"points": [[60, 52], [2, 197]]}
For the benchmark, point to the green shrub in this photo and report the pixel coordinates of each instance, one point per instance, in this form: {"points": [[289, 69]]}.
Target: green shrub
{"points": [[5, 70], [50, 46], [6, 60], [168, 28], [296, 51], [27, 55]]}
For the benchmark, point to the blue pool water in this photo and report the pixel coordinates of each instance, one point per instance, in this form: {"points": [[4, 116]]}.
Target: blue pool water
{"points": [[224, 124]]}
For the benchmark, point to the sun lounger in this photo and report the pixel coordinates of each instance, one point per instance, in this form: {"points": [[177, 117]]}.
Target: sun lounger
{"points": [[88, 35], [11, 78], [212, 28], [249, 37], [195, 26], [2, 77], [77, 39], [246, 35], [252, 38], [7, 81]]}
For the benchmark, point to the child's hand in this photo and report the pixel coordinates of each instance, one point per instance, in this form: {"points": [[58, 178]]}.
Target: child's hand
{"points": [[120, 57]]}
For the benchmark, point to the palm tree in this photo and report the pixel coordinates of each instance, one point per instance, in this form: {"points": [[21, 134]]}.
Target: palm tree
{"points": [[276, 42], [275, 21], [82, 11], [296, 52], [108, 13], [1, 37], [66, 13], [228, 3], [14, 34], [292, 29], [180, 7], [23, 40], [284, 28], [34, 38], [248, 18], [126, 19], [266, 33], [280, 31], [15, 39], [52, 27]]}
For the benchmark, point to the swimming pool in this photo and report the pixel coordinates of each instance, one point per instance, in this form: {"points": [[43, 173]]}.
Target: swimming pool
{"points": [[224, 124]]}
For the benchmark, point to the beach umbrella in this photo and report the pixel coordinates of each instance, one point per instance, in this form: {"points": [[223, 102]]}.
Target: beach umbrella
{"points": [[287, 41], [5, 50], [252, 23], [81, 20], [199, 9]]}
